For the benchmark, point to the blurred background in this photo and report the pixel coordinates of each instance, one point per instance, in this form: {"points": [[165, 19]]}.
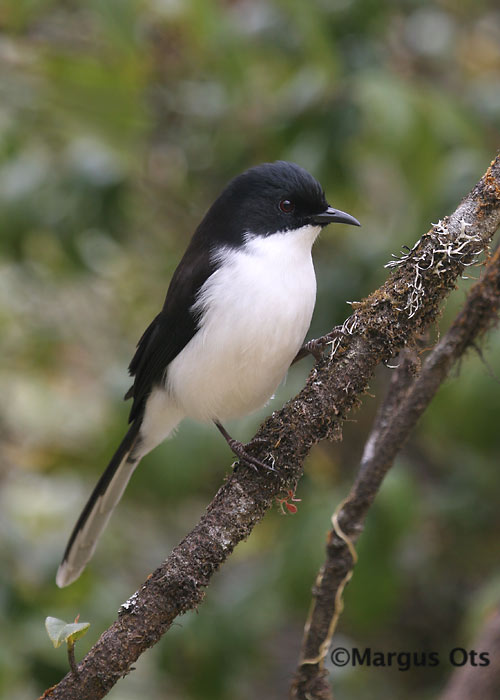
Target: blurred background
{"points": [[120, 121]]}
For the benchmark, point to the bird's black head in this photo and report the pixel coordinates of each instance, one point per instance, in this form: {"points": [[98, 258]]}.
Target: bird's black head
{"points": [[266, 199]]}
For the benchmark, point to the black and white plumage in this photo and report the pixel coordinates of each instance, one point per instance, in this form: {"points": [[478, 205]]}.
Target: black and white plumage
{"points": [[235, 316]]}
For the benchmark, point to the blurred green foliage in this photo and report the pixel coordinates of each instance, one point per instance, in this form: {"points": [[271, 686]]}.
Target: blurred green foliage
{"points": [[119, 123]]}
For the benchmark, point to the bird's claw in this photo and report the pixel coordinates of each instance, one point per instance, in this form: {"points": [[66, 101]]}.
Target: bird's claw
{"points": [[316, 346], [241, 451]]}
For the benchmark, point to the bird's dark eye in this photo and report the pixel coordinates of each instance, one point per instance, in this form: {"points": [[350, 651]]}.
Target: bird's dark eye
{"points": [[286, 206]]}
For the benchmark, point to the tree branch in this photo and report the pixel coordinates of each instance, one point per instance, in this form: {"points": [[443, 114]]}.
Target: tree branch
{"points": [[406, 400], [380, 326]]}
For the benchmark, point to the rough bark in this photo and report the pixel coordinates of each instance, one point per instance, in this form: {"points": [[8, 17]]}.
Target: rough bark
{"points": [[380, 326]]}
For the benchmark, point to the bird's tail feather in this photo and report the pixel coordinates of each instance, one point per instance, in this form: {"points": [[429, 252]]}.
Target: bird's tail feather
{"points": [[99, 507]]}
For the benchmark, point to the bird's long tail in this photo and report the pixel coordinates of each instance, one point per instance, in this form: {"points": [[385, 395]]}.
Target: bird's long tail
{"points": [[99, 507]]}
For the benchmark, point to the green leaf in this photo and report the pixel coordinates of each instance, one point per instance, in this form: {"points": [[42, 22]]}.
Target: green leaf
{"points": [[60, 631]]}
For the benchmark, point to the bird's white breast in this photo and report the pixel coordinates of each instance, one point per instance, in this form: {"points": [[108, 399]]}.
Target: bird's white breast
{"points": [[255, 310]]}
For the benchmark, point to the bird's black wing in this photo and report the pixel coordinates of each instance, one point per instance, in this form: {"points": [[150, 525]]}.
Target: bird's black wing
{"points": [[172, 329]]}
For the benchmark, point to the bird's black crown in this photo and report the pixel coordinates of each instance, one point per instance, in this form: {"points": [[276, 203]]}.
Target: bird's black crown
{"points": [[263, 200]]}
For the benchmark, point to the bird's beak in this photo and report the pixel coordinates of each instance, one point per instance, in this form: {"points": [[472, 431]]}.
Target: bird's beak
{"points": [[334, 216]]}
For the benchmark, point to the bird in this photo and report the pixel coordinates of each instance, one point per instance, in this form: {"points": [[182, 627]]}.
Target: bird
{"points": [[236, 313]]}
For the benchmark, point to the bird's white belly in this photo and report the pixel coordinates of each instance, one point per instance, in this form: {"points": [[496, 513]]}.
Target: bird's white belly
{"points": [[255, 312]]}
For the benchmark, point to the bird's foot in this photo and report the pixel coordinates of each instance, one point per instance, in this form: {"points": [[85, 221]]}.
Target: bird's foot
{"points": [[316, 346], [241, 451]]}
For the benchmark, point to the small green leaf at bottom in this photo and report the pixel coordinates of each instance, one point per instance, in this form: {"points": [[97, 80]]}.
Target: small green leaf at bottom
{"points": [[60, 631]]}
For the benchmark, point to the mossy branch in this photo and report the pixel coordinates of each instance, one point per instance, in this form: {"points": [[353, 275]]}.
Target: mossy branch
{"points": [[379, 328]]}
